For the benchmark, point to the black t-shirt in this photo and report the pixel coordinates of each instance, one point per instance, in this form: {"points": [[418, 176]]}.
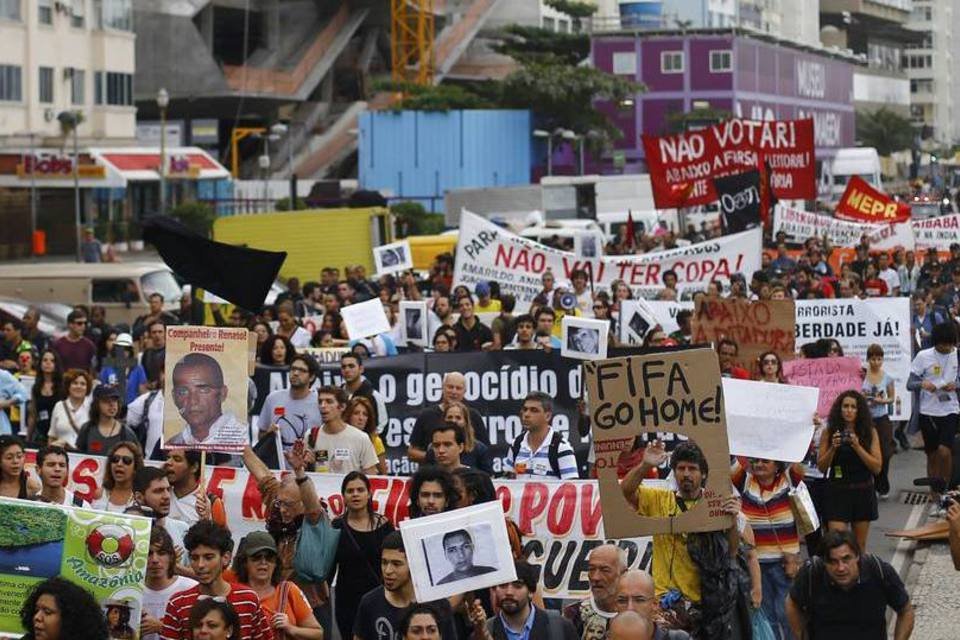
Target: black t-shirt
{"points": [[472, 339], [432, 417], [858, 613], [377, 619]]}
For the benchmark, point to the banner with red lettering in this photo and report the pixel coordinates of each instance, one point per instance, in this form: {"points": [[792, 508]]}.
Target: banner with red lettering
{"points": [[861, 202], [561, 521], [694, 158], [487, 252]]}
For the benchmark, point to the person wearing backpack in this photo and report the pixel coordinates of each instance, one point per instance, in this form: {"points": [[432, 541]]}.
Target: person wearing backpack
{"points": [[518, 616], [539, 450], [845, 594]]}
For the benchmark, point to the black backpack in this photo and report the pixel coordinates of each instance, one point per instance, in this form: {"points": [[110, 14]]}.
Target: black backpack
{"points": [[553, 453]]}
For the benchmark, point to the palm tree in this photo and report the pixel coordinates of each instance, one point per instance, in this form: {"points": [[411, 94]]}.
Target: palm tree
{"points": [[885, 130]]}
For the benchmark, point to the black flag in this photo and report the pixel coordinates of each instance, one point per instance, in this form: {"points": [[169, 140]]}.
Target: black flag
{"points": [[237, 274], [739, 200]]}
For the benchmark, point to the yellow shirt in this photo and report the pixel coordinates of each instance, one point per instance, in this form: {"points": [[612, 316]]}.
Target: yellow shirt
{"points": [[558, 320], [378, 447], [673, 568], [493, 306]]}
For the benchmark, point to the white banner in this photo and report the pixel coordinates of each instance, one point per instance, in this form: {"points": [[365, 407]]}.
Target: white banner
{"points": [[800, 225], [937, 232], [887, 237], [856, 324], [486, 252], [666, 312], [561, 521]]}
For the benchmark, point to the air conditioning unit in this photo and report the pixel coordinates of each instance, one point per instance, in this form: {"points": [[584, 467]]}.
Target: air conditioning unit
{"points": [[49, 115]]}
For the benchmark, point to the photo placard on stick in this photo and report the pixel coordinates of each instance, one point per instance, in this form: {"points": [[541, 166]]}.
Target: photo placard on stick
{"points": [[637, 319], [458, 551], [677, 392], [413, 315], [391, 258], [584, 338], [365, 319], [756, 326], [205, 389], [586, 246]]}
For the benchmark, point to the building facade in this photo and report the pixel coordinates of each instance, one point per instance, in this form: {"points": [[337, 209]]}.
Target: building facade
{"points": [[728, 72], [930, 66]]}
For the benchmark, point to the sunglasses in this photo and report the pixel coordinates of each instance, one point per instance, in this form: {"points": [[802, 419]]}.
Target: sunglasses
{"points": [[262, 556], [770, 361], [127, 460]]}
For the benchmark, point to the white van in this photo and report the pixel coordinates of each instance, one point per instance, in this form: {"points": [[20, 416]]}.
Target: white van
{"points": [[851, 161]]}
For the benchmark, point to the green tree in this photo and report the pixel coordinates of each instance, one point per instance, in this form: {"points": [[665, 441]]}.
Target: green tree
{"points": [[441, 97], [412, 219], [198, 216], [885, 130], [562, 96], [528, 44], [573, 8]]}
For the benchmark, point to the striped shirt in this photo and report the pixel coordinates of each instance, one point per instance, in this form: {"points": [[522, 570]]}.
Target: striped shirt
{"points": [[253, 624], [537, 463], [767, 509]]}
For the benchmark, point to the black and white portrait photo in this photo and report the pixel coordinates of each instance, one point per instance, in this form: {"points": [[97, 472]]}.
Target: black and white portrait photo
{"points": [[637, 318], [391, 258], [585, 246], [414, 316], [458, 551], [584, 338]]}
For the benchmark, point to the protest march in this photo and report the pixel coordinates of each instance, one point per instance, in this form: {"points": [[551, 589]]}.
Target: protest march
{"points": [[694, 431]]}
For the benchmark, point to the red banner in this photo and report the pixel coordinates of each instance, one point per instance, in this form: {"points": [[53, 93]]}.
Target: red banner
{"points": [[861, 202], [682, 166]]}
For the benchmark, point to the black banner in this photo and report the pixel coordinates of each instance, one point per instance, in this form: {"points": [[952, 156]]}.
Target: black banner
{"points": [[739, 199]]}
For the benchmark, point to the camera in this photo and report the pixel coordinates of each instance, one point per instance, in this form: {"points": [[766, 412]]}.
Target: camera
{"points": [[846, 437], [949, 498]]}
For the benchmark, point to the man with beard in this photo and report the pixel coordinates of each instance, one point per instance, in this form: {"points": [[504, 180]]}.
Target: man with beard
{"points": [[53, 467], [151, 492], [432, 491], [441, 315], [519, 618], [292, 412], [188, 501], [590, 617], [380, 610]]}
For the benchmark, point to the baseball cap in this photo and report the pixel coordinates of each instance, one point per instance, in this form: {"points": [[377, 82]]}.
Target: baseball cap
{"points": [[482, 289], [258, 541], [124, 340], [105, 392]]}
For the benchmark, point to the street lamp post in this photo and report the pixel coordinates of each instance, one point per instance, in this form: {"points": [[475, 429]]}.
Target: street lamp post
{"points": [[33, 187], [163, 101], [70, 120]]}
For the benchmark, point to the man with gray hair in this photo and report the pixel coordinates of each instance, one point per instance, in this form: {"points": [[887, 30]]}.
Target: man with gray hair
{"points": [[590, 617], [630, 626], [635, 593], [454, 388]]}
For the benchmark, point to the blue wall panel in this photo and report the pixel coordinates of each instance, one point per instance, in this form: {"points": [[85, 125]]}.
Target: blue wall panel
{"points": [[419, 155]]}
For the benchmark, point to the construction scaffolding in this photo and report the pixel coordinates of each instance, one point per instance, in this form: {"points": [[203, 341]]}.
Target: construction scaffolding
{"points": [[411, 41]]}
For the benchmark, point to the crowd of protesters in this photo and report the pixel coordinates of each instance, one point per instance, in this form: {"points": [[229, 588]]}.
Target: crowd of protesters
{"points": [[98, 390]]}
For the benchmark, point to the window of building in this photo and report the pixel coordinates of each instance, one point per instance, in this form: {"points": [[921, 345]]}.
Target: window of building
{"points": [[11, 83], [45, 84], [625, 63], [77, 85], [98, 87], [113, 88], [114, 14], [10, 9], [921, 85], [549, 24], [563, 26], [45, 11], [77, 13], [721, 61], [671, 62]]}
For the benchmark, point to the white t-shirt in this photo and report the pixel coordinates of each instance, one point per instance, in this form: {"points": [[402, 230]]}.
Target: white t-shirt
{"points": [[155, 602], [892, 278], [343, 452], [940, 369], [184, 509], [61, 429], [177, 529]]}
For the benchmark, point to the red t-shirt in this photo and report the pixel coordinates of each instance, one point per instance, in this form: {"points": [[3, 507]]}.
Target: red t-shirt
{"points": [[76, 355], [253, 623], [875, 288]]}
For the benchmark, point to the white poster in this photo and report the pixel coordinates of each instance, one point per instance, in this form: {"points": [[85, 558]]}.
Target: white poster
{"points": [[391, 258], [635, 321], [800, 225], [413, 315], [665, 311], [487, 252], [770, 421], [856, 324], [365, 319]]}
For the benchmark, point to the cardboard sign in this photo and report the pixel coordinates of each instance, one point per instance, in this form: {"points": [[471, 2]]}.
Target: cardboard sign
{"points": [[734, 146], [205, 389], [487, 252], [832, 376], [677, 392], [863, 203], [104, 553], [365, 319], [767, 420], [756, 326], [856, 324]]}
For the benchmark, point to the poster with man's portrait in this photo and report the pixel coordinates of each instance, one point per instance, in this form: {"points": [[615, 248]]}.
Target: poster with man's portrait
{"points": [[394, 257], [205, 389], [458, 551], [413, 315], [584, 338]]}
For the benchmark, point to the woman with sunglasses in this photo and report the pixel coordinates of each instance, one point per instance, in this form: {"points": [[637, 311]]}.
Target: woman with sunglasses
{"points": [[771, 368], [764, 487], [104, 429], [257, 565], [46, 392], [357, 563], [15, 482], [124, 459]]}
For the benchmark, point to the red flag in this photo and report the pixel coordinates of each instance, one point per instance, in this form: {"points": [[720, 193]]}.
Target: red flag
{"points": [[861, 202], [631, 233], [767, 197]]}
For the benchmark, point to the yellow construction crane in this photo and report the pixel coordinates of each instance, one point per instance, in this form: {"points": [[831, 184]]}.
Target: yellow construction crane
{"points": [[411, 41]]}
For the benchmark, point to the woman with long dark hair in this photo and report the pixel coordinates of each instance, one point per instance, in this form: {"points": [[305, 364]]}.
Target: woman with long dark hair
{"points": [[105, 428], [849, 456], [277, 351], [57, 609], [771, 367], [46, 392], [15, 482], [357, 562], [124, 459]]}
